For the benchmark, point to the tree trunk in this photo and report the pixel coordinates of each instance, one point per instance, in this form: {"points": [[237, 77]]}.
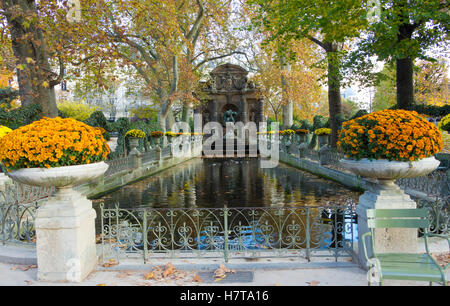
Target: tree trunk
{"points": [[287, 108], [405, 85], [33, 71], [334, 96]]}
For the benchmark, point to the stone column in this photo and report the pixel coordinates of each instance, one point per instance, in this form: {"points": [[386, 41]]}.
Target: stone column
{"points": [[260, 115], [65, 238], [392, 240], [244, 110], [213, 110]]}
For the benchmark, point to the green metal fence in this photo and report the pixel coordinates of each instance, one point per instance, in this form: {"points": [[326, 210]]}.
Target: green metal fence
{"points": [[227, 232]]}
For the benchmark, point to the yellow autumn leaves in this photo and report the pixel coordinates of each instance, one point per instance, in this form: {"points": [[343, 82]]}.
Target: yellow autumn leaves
{"points": [[53, 142], [397, 135]]}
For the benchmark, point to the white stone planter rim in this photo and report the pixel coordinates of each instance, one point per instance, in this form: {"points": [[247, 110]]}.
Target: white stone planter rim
{"points": [[65, 176], [390, 170]]}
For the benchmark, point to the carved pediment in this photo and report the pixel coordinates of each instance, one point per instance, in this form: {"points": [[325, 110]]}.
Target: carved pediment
{"points": [[228, 77]]}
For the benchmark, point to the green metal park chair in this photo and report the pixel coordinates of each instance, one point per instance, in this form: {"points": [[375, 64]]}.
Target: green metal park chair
{"points": [[402, 266]]}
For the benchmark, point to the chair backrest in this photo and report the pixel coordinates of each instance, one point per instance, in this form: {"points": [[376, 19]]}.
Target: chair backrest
{"points": [[397, 218]]}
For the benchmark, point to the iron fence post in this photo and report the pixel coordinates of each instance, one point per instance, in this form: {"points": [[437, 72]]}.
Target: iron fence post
{"points": [[308, 238], [225, 225], [144, 234], [101, 230]]}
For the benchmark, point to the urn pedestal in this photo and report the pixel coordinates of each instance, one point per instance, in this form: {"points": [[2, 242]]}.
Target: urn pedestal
{"points": [[134, 143], [383, 193], [65, 223]]}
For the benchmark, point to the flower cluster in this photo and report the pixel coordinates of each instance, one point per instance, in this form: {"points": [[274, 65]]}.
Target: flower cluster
{"points": [[171, 134], [4, 130], [301, 131], [53, 143], [323, 131], [157, 134], [396, 135], [135, 133], [287, 132], [444, 124], [266, 133]]}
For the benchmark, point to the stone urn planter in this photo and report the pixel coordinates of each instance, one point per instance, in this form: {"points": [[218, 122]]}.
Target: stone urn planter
{"points": [[323, 140], [156, 141], [134, 143], [65, 223], [302, 138]]}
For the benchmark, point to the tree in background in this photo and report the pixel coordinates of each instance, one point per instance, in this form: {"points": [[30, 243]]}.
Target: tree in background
{"points": [[328, 24], [21, 23], [403, 32], [430, 83], [298, 84]]}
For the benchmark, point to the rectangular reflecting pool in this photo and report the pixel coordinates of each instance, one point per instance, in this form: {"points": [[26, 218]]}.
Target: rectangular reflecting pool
{"points": [[216, 183]]}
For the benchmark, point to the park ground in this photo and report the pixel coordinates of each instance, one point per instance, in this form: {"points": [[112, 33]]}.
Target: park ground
{"points": [[351, 275]]}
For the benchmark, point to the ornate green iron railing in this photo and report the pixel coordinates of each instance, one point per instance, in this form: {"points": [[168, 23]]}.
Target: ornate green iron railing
{"points": [[227, 232], [18, 205]]}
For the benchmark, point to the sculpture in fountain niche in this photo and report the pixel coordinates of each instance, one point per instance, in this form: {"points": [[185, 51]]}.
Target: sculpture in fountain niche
{"points": [[229, 116], [231, 97]]}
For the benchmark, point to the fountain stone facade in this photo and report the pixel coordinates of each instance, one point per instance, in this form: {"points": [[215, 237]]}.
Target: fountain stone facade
{"points": [[229, 90]]}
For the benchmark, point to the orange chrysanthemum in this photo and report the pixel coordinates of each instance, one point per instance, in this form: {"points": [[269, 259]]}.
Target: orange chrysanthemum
{"points": [[53, 142], [390, 134]]}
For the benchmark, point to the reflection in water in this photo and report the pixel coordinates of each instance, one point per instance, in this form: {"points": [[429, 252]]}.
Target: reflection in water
{"points": [[208, 183]]}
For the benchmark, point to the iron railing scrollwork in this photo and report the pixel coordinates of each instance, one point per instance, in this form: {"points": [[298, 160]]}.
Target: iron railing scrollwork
{"points": [[228, 232], [18, 205]]}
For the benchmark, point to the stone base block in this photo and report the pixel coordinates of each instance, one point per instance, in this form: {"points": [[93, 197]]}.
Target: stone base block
{"points": [[65, 242]]}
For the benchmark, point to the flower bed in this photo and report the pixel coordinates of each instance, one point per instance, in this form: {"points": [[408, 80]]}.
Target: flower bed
{"points": [[157, 134], [395, 135], [301, 132], [287, 132], [171, 134], [53, 143], [135, 133], [323, 131]]}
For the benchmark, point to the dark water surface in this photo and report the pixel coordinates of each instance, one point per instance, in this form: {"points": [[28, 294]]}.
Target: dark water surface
{"points": [[207, 183]]}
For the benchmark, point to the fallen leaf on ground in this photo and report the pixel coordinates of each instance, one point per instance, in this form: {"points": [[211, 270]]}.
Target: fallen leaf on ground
{"points": [[221, 272], [197, 279], [169, 269], [313, 283], [149, 275], [110, 263], [443, 258], [101, 285], [24, 268]]}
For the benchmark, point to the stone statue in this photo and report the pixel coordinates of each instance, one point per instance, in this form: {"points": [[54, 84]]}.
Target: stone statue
{"points": [[229, 116]]}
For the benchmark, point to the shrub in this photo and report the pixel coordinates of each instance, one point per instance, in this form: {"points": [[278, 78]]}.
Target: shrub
{"points": [[76, 110], [444, 124], [396, 135], [20, 116], [53, 142]]}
